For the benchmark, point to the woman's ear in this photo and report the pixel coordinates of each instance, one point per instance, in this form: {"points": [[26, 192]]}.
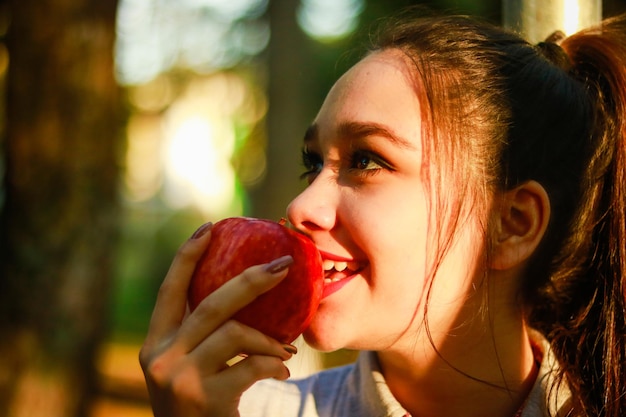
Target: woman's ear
{"points": [[520, 223]]}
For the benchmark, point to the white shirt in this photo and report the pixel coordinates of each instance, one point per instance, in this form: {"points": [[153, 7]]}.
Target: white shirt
{"points": [[360, 390]]}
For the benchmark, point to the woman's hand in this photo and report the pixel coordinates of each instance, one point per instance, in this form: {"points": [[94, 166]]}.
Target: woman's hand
{"points": [[184, 356]]}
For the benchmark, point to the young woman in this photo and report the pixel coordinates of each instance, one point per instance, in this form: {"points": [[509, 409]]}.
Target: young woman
{"points": [[476, 186]]}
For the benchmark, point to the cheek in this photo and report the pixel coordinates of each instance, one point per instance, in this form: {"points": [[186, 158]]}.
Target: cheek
{"points": [[389, 224], [389, 208], [402, 269], [397, 245]]}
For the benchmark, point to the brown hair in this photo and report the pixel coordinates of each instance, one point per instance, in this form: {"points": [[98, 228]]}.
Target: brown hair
{"points": [[505, 112]]}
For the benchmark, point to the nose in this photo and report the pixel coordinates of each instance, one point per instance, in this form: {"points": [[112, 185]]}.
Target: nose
{"points": [[315, 208]]}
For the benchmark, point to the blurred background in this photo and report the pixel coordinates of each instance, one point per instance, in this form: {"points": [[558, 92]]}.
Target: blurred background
{"points": [[125, 125]]}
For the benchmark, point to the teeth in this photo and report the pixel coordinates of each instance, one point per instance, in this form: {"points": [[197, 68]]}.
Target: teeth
{"points": [[328, 264], [340, 266]]}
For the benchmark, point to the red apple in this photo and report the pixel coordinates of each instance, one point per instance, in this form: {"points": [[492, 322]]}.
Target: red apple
{"points": [[237, 243]]}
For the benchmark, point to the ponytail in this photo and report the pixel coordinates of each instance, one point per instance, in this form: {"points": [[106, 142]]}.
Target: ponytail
{"points": [[589, 337]]}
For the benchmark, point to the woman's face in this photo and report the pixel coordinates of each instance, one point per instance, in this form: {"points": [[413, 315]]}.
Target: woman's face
{"points": [[367, 210]]}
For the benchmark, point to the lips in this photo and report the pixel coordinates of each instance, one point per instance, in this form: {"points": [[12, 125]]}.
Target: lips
{"points": [[338, 272]]}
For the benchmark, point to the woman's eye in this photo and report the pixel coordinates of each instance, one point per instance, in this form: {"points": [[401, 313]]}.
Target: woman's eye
{"points": [[366, 161], [312, 164]]}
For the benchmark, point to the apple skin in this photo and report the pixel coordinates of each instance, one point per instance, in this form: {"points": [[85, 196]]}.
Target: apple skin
{"points": [[237, 243]]}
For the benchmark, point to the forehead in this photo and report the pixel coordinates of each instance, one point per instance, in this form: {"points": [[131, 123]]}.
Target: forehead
{"points": [[378, 90]]}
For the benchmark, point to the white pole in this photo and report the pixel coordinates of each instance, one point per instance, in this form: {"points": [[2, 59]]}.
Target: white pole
{"points": [[537, 19]]}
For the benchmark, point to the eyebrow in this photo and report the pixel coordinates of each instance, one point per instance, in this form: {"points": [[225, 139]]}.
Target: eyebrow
{"points": [[355, 130]]}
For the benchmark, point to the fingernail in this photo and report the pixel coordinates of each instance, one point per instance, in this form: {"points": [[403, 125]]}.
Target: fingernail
{"points": [[279, 265], [202, 230], [290, 349]]}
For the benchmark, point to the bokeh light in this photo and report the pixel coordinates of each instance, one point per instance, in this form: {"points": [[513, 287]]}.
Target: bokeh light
{"points": [[195, 150], [190, 134], [571, 18], [328, 20], [154, 36]]}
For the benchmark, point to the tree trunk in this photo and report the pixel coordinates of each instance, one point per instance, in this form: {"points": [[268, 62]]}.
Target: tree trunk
{"points": [[59, 219], [290, 110]]}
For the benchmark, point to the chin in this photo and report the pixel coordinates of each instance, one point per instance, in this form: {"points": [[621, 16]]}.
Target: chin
{"points": [[321, 344], [324, 338]]}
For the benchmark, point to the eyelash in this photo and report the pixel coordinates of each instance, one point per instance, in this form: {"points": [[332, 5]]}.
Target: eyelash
{"points": [[313, 163]]}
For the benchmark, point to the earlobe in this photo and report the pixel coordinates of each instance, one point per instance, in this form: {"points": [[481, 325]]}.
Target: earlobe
{"points": [[520, 223]]}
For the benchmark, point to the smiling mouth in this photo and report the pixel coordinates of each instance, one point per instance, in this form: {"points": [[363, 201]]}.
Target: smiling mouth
{"points": [[337, 270]]}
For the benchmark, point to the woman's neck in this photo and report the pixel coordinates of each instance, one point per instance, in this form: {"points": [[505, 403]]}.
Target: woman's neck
{"points": [[476, 374]]}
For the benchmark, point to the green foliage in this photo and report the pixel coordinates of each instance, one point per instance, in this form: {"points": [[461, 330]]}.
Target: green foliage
{"points": [[151, 236]]}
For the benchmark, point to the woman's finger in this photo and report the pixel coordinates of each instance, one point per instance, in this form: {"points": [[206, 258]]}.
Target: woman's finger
{"points": [[171, 303], [234, 339], [183, 391], [230, 383], [224, 302]]}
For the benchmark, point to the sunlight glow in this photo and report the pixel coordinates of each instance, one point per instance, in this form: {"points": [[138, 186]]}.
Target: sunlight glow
{"points": [[193, 140], [537, 19], [571, 17], [329, 19], [197, 150], [198, 166]]}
